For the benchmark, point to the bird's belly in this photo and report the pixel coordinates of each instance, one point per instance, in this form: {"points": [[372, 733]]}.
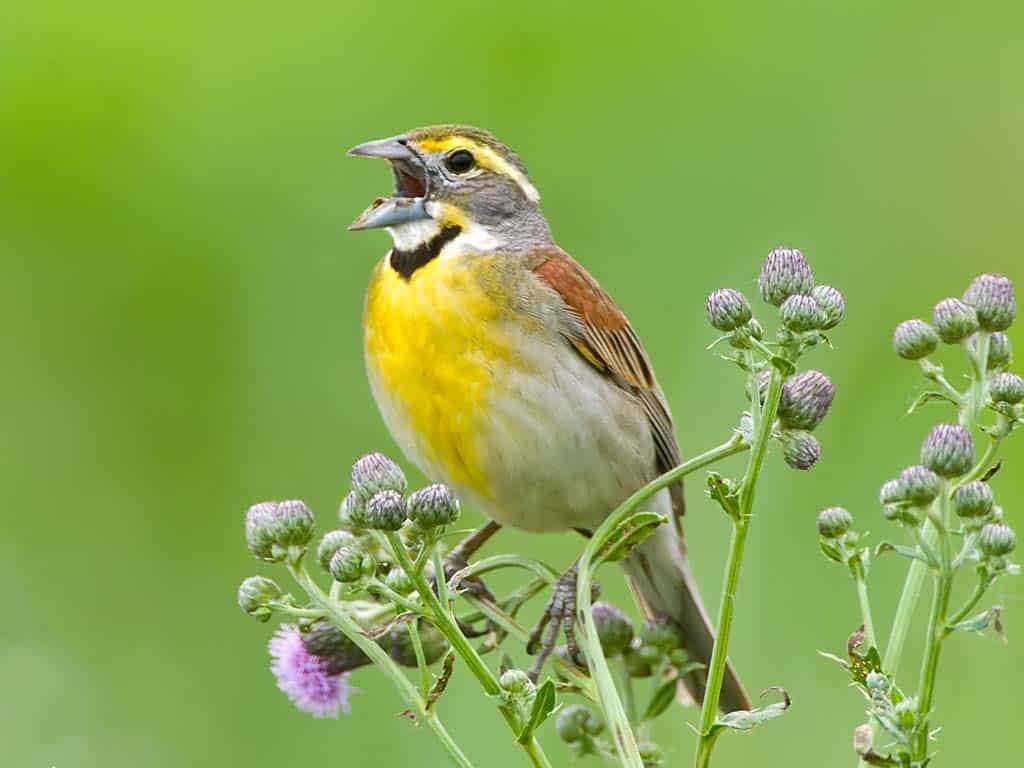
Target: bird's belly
{"points": [[562, 446], [505, 412]]}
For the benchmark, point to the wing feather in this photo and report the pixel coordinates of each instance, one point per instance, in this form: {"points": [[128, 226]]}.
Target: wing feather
{"points": [[602, 335]]}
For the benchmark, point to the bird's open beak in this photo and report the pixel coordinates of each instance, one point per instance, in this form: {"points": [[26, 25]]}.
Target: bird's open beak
{"points": [[410, 190]]}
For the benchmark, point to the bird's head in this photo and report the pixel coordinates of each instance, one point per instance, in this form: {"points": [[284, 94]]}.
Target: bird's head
{"points": [[451, 176]]}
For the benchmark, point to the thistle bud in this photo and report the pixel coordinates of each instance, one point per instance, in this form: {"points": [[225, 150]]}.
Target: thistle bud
{"points": [[802, 313], [385, 511], [920, 485], [331, 543], [832, 304], [259, 529], [974, 499], [905, 713], [399, 581], [876, 681], [271, 528], [255, 593], [992, 298], [352, 513], [892, 492], [785, 272], [806, 398], [948, 450], [802, 449], [613, 628], [433, 506], [327, 642], [661, 634], [954, 321], [515, 682], [374, 473], [997, 540], [1007, 388], [834, 522], [349, 565], [1000, 352], [914, 339], [575, 722], [399, 645], [727, 309]]}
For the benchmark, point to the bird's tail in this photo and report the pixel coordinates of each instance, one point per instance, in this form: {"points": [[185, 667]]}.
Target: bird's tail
{"points": [[660, 575]]}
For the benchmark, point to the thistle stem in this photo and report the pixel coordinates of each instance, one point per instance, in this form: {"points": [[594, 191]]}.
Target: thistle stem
{"points": [[615, 714], [865, 604], [406, 690], [441, 615], [741, 526]]}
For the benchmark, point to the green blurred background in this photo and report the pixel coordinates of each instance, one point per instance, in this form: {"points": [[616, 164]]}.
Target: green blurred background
{"points": [[180, 305]]}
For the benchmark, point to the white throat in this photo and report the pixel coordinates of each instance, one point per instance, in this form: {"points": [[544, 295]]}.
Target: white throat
{"points": [[413, 234]]}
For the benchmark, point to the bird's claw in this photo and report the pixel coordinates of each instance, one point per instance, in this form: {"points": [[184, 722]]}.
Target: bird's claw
{"points": [[559, 613]]}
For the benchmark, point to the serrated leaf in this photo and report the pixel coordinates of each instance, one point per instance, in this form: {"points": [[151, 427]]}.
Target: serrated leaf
{"points": [[661, 699], [543, 706], [743, 720], [627, 535]]}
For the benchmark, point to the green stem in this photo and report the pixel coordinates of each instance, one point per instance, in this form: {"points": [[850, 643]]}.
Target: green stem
{"points": [[741, 526], [905, 608], [865, 604], [443, 618], [979, 591], [406, 690], [615, 715]]}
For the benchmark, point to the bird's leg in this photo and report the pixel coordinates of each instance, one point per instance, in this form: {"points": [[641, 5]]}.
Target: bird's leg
{"points": [[559, 614]]}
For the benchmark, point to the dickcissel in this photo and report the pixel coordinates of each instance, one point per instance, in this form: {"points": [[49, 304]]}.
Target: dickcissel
{"points": [[504, 370]]}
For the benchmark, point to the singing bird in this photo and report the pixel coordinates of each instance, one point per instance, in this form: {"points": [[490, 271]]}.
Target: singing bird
{"points": [[504, 370]]}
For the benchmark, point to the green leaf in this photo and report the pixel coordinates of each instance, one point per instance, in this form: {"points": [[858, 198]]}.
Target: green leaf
{"points": [[831, 552], [788, 368], [911, 552], [721, 490], [745, 721], [627, 535], [930, 397], [661, 699], [832, 657], [543, 706]]}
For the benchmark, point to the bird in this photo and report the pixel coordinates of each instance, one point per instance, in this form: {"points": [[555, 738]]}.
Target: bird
{"points": [[504, 370]]}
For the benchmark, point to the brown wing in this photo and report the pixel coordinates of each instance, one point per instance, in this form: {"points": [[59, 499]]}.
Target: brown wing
{"points": [[601, 333]]}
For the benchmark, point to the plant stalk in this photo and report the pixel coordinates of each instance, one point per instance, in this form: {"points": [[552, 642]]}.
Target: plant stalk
{"points": [[406, 690], [764, 421]]}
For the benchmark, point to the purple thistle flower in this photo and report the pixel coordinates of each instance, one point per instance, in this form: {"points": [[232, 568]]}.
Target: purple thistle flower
{"points": [[305, 678]]}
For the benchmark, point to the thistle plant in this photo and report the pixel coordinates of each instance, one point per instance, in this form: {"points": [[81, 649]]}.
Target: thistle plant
{"points": [[393, 594], [947, 509]]}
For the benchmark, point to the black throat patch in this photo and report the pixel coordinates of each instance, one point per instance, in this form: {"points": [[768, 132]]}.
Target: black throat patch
{"points": [[407, 262]]}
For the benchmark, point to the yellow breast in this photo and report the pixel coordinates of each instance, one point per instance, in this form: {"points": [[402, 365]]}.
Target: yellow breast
{"points": [[433, 345]]}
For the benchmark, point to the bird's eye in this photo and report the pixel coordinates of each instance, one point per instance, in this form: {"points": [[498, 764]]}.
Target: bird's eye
{"points": [[460, 161]]}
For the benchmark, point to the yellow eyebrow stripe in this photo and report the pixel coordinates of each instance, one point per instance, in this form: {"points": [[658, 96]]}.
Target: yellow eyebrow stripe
{"points": [[485, 157]]}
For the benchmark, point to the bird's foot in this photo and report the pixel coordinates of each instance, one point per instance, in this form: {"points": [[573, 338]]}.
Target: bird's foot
{"points": [[559, 614]]}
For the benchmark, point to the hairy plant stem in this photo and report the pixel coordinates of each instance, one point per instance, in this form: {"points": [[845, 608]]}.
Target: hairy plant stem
{"points": [[406, 690], [615, 715], [764, 419], [441, 614]]}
